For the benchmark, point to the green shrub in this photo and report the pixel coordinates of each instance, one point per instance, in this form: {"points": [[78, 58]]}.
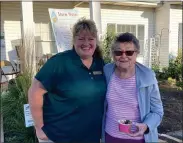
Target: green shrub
{"points": [[171, 81], [174, 70], [180, 84], [13, 112], [106, 46], [155, 68]]}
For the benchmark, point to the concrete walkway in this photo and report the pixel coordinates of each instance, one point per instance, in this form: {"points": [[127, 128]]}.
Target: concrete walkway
{"points": [[162, 141], [172, 136], [177, 134]]}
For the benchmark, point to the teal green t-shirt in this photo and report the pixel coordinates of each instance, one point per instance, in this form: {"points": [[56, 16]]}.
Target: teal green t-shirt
{"points": [[73, 105]]}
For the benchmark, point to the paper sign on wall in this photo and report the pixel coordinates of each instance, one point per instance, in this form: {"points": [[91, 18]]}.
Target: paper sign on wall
{"points": [[28, 116], [62, 21]]}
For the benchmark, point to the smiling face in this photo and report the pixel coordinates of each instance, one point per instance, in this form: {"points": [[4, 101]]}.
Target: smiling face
{"points": [[85, 44], [126, 58]]}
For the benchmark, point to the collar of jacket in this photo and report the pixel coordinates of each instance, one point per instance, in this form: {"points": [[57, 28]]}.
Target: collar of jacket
{"points": [[144, 76]]}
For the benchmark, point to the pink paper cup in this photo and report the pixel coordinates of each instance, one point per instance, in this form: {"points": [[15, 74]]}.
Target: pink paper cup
{"points": [[125, 128]]}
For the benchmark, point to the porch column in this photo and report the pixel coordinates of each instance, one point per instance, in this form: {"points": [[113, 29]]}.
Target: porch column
{"points": [[95, 14], [28, 37], [2, 130]]}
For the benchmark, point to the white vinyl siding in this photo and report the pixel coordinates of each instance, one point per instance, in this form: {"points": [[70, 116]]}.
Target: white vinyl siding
{"points": [[162, 30], [11, 26], [175, 26]]}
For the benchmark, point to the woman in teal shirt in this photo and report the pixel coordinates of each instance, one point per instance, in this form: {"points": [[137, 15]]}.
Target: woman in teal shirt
{"points": [[67, 95]]}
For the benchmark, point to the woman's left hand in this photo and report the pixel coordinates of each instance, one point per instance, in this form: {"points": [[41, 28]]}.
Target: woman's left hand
{"points": [[141, 129]]}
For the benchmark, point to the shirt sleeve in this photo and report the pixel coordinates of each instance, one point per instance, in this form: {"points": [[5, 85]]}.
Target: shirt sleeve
{"points": [[47, 74]]}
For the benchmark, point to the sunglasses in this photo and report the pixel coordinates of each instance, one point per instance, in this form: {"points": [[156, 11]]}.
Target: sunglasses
{"points": [[127, 53]]}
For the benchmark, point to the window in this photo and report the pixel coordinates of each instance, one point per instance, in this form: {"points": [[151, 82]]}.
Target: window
{"points": [[140, 37], [137, 30], [126, 28]]}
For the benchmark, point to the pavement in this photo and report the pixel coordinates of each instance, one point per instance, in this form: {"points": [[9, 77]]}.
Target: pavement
{"points": [[173, 137], [176, 134]]}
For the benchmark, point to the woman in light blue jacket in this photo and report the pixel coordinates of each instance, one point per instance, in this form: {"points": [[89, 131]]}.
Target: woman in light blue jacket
{"points": [[132, 94]]}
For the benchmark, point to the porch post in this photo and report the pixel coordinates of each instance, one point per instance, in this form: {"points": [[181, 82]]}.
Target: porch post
{"points": [[2, 130], [95, 14], [28, 38]]}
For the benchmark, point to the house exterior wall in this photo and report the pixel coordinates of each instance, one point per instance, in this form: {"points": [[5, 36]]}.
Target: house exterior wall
{"points": [[121, 15], [44, 37], [130, 16], [11, 26], [45, 42], [125, 15], [175, 22], [162, 29]]}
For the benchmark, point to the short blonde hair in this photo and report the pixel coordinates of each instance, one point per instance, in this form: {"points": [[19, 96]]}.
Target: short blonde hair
{"points": [[85, 24], [90, 26]]}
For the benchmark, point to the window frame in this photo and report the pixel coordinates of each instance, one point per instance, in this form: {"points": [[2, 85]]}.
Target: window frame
{"points": [[136, 33]]}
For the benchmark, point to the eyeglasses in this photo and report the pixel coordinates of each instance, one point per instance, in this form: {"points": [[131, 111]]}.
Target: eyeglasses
{"points": [[127, 53]]}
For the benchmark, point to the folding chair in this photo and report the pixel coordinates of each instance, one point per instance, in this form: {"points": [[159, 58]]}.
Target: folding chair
{"points": [[6, 68], [17, 62]]}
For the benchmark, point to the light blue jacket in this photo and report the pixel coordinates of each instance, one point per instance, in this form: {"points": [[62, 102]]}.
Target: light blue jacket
{"points": [[150, 104]]}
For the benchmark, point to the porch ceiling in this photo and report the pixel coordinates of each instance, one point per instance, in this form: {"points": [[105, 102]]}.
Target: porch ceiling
{"points": [[176, 2], [152, 4], [137, 4]]}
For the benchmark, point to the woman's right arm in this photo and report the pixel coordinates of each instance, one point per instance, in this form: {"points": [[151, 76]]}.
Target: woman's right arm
{"points": [[35, 98], [43, 82]]}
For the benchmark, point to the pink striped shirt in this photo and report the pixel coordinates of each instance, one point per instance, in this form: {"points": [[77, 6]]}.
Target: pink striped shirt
{"points": [[122, 104]]}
